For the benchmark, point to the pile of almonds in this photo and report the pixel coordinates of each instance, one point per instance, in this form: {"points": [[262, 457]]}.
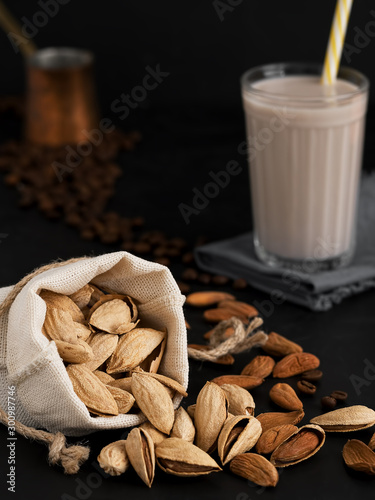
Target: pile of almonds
{"points": [[111, 361], [222, 421]]}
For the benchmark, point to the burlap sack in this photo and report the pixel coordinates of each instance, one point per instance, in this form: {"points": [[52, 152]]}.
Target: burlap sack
{"points": [[28, 361]]}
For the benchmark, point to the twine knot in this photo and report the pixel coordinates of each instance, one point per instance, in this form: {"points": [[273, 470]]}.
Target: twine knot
{"points": [[70, 457], [242, 339]]}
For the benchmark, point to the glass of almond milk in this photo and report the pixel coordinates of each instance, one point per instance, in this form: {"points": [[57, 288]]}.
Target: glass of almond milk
{"points": [[305, 143]]}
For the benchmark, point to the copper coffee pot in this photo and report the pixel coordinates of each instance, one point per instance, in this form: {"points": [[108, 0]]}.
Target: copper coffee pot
{"points": [[61, 102]]}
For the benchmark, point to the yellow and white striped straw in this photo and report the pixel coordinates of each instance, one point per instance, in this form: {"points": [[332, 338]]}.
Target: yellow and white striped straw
{"points": [[336, 41]]}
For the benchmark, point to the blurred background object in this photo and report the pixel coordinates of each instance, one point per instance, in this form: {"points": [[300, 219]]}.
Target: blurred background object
{"points": [[61, 105]]}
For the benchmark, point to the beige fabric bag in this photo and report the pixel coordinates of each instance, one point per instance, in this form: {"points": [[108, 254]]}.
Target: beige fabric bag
{"points": [[44, 393]]}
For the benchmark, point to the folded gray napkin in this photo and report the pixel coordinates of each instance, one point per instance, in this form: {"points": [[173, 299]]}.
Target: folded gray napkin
{"points": [[320, 291]]}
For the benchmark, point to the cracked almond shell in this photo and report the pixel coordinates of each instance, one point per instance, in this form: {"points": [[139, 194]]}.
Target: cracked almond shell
{"points": [[102, 346], [113, 458], [350, 418], [141, 453], [238, 435], [133, 348], [301, 445], [240, 400], [63, 302], [181, 458]]}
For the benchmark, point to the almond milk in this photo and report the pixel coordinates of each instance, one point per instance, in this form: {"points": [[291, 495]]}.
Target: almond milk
{"points": [[305, 144]]}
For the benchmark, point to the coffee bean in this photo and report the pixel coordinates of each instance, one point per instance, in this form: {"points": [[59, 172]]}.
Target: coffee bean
{"points": [[340, 396], [190, 274], [87, 234], [160, 251], [12, 179], [73, 219], [127, 246], [178, 242], [184, 287], [204, 278], [312, 375], [239, 284], [156, 238], [109, 237], [138, 221], [220, 280], [172, 251], [142, 247], [188, 258], [328, 402], [306, 387]]}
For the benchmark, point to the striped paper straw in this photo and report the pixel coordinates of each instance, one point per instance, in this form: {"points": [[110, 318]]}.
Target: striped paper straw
{"points": [[336, 41]]}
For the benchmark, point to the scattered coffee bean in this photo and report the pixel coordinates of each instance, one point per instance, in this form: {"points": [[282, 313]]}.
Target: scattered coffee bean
{"points": [[188, 258], [142, 247], [239, 284], [178, 242], [306, 387], [172, 251], [312, 375], [328, 402], [184, 287], [190, 274], [160, 251], [220, 280], [204, 278], [340, 396]]}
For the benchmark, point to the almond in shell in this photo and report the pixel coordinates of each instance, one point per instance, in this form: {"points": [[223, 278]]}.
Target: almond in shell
{"points": [[240, 401], [59, 325], [181, 458], [124, 399], [114, 314], [79, 352], [154, 401], [350, 418], [210, 415], [82, 296], [91, 391], [63, 302], [113, 458], [141, 452], [133, 348], [239, 434], [183, 427], [156, 436]]}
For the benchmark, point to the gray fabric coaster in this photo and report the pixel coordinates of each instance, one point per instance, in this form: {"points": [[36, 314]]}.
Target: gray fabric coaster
{"points": [[236, 258]]}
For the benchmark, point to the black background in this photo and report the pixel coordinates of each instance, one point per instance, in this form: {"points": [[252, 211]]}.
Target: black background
{"points": [[191, 124]]}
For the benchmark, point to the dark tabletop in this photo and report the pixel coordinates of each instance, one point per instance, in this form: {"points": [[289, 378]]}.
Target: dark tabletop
{"points": [[179, 149]]}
